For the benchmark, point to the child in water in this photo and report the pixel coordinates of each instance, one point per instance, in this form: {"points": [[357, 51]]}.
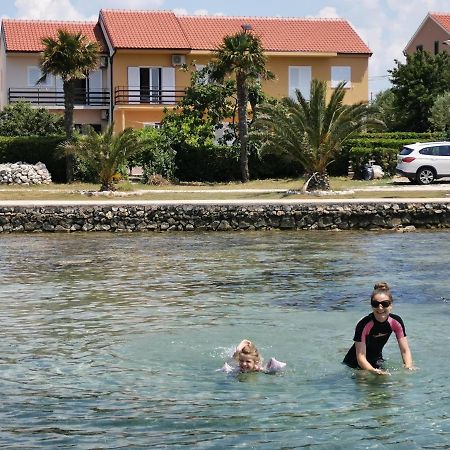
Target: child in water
{"points": [[249, 360]]}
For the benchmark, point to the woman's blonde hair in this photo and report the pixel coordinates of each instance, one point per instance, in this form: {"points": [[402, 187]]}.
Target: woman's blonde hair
{"points": [[381, 288]]}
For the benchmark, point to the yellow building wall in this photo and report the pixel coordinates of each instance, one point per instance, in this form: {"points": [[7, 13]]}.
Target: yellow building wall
{"points": [[136, 116]]}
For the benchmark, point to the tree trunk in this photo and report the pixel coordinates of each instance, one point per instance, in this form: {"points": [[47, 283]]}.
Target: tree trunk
{"points": [[69, 95], [320, 181], [242, 100]]}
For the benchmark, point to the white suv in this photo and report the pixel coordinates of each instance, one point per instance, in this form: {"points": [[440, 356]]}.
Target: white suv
{"points": [[424, 162]]}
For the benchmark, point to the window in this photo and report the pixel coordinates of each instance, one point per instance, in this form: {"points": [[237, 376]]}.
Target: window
{"points": [[436, 47], [299, 79], [204, 77], [341, 73], [34, 74], [151, 85], [441, 150], [419, 48], [156, 125]]}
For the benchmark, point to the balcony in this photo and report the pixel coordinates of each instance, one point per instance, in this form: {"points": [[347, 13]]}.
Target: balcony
{"points": [[48, 97], [131, 96]]}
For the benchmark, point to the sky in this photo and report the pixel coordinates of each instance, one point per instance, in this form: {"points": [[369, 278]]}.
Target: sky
{"points": [[385, 25]]}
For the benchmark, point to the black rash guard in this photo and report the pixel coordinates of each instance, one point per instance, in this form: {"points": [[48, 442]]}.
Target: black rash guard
{"points": [[375, 335]]}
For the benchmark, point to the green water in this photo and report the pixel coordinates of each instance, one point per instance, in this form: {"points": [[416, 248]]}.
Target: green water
{"points": [[112, 341]]}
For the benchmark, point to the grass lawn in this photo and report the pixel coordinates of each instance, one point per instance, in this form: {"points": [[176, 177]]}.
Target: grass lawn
{"points": [[256, 189]]}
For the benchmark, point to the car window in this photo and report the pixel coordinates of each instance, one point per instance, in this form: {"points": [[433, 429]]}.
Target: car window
{"points": [[426, 151], [444, 150], [406, 151]]}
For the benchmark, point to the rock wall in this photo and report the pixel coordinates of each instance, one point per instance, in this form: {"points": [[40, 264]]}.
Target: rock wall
{"points": [[22, 173], [194, 217]]}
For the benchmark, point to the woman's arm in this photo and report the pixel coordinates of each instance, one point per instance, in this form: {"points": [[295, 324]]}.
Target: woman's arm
{"points": [[405, 352], [362, 360]]}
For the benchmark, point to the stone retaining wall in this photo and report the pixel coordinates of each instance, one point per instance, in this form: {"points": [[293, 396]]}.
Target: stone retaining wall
{"points": [[194, 217]]}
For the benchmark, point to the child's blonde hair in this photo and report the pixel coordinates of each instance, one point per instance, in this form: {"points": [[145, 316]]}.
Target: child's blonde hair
{"points": [[249, 351]]}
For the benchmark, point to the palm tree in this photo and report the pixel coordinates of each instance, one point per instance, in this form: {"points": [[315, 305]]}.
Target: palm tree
{"points": [[71, 57], [105, 152], [242, 55], [312, 132]]}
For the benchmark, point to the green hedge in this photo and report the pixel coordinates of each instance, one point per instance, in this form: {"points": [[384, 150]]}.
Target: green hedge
{"points": [[33, 149], [381, 147], [384, 157], [209, 163], [220, 163]]}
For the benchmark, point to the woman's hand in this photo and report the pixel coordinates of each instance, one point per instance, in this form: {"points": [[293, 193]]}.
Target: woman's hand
{"points": [[381, 372]]}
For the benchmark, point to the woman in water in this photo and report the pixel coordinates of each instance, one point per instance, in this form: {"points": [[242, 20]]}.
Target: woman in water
{"points": [[373, 331]]}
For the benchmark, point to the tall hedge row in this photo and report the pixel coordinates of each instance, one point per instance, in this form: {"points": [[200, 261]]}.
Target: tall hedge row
{"points": [[33, 149], [379, 147]]}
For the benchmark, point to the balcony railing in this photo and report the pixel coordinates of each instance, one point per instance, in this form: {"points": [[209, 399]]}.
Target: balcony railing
{"points": [[47, 97], [126, 95]]}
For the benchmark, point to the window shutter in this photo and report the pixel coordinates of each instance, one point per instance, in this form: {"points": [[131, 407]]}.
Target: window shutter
{"points": [[133, 85], [168, 85]]}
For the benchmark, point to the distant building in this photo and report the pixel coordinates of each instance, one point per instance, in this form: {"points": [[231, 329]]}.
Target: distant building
{"points": [[431, 34]]}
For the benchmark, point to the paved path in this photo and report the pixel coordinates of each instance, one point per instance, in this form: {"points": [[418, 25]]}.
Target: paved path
{"points": [[125, 201]]}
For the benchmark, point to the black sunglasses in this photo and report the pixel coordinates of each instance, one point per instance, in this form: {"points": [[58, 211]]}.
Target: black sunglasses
{"points": [[384, 304]]}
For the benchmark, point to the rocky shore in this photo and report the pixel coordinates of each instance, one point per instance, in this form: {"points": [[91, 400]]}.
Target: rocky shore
{"points": [[402, 216]]}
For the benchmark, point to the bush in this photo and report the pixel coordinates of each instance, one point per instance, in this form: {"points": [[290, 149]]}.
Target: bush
{"points": [[157, 158], [208, 163], [381, 147], [20, 119], [384, 157], [33, 149]]}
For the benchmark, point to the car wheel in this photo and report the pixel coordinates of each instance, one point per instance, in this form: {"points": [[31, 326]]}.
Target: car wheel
{"points": [[425, 175]]}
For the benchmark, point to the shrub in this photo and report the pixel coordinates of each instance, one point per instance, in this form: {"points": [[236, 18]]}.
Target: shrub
{"points": [[157, 157], [381, 147], [20, 119], [385, 157], [207, 163]]}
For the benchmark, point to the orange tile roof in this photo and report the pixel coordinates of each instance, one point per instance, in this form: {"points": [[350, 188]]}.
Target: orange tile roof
{"points": [[277, 34], [165, 30], [26, 35], [143, 29], [443, 19]]}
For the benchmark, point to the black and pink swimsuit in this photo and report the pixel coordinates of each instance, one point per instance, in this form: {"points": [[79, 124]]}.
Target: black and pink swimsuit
{"points": [[375, 335]]}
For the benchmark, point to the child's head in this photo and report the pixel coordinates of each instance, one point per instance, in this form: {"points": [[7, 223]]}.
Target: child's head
{"points": [[249, 359]]}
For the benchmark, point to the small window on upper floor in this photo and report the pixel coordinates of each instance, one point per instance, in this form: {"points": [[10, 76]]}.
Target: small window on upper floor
{"points": [[156, 125], [203, 74], [419, 48], [436, 47], [34, 75], [341, 73]]}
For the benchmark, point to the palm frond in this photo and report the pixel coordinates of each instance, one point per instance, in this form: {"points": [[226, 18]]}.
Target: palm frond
{"points": [[313, 131]]}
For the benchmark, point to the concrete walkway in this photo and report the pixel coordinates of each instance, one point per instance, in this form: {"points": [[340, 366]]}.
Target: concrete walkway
{"points": [[125, 201]]}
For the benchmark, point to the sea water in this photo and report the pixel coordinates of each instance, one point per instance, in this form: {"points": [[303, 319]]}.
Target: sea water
{"points": [[112, 340]]}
